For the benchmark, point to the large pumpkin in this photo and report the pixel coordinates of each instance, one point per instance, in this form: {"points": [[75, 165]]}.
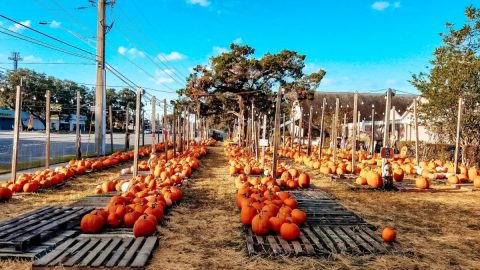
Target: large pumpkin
{"points": [[289, 231], [374, 180], [5, 193], [92, 223], [260, 224], [304, 180], [247, 214], [422, 183], [144, 226]]}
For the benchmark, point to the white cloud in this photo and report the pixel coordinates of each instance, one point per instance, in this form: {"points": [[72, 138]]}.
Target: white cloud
{"points": [[17, 27], [219, 50], [238, 41], [171, 56], [161, 78], [203, 3], [32, 58], [380, 5], [122, 50], [55, 24]]}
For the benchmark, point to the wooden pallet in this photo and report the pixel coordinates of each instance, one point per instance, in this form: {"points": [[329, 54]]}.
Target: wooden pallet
{"points": [[310, 194], [318, 241], [95, 251], [34, 227], [95, 201]]}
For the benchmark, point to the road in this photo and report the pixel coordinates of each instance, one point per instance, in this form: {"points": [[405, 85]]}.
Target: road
{"points": [[32, 145]]}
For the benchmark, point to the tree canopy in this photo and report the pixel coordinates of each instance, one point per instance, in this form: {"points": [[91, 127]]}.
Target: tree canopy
{"points": [[455, 73]]}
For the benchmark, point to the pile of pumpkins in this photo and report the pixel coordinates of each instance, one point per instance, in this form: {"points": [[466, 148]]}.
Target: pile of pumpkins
{"points": [[242, 161], [267, 209], [31, 182], [143, 200]]}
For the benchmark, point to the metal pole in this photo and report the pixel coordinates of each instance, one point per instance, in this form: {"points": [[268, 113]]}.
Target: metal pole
{"points": [[322, 134], [354, 131], [137, 131], [47, 129], [158, 134], [276, 134], [416, 130], [100, 85], [309, 148], [127, 135], [16, 133], [110, 119]]}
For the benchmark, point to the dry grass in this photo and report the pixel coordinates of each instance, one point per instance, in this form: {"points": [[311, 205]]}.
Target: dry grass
{"points": [[73, 190], [436, 230]]}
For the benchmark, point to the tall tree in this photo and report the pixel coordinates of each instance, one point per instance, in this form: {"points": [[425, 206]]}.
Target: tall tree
{"points": [[455, 73]]}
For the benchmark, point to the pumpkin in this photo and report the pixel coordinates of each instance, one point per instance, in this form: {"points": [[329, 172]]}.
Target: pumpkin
{"points": [[156, 210], [361, 180], [144, 226], [113, 220], [453, 179], [247, 214], [289, 231], [398, 175], [389, 234], [292, 203], [130, 218], [276, 223], [422, 183], [374, 180], [298, 216], [260, 224], [304, 180], [5, 193], [476, 181], [92, 223]]}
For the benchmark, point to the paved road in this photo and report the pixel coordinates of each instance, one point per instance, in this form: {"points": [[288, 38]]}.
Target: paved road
{"points": [[32, 145]]}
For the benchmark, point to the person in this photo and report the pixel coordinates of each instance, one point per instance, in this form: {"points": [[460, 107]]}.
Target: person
{"points": [[387, 176]]}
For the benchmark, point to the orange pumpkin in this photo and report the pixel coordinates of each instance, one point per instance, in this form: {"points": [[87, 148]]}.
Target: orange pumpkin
{"points": [[374, 179], [144, 226], [92, 223], [422, 183], [260, 224], [389, 234], [289, 231]]}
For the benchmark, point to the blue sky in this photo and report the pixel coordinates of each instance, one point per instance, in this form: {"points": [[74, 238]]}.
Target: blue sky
{"points": [[363, 45]]}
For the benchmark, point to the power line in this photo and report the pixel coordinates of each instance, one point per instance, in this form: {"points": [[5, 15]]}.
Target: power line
{"points": [[50, 63], [46, 35]]}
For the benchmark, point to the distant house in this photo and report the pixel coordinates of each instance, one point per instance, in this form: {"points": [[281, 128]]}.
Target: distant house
{"points": [[7, 118], [67, 122]]}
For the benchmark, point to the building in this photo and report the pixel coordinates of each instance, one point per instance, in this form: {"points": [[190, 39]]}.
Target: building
{"points": [[7, 118], [67, 122]]}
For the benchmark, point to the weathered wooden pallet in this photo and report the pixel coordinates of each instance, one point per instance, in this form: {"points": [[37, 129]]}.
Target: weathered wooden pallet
{"points": [[36, 226], [100, 251], [310, 194], [95, 201], [318, 241], [410, 187], [344, 177]]}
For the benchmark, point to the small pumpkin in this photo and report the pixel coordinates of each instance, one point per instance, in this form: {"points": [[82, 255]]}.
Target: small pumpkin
{"points": [[389, 234]]}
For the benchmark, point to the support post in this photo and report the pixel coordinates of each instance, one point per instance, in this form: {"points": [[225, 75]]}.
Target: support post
{"points": [[143, 127], [335, 128], [47, 129], [174, 127], [283, 132], [459, 128], [309, 146], [300, 131], [137, 131], [394, 133], [153, 124], [127, 122], [276, 133], [110, 119], [372, 141], [77, 130], [322, 133], [264, 136], [16, 133], [100, 117], [165, 131], [354, 131]]}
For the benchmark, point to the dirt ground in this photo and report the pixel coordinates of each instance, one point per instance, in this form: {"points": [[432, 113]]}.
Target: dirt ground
{"points": [[435, 230]]}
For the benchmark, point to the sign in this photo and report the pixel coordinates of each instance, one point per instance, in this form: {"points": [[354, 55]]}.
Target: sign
{"points": [[263, 142], [387, 152]]}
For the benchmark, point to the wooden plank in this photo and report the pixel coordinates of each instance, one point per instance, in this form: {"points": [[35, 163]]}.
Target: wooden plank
{"points": [[297, 247], [28, 215], [145, 252], [106, 252], [347, 239], [313, 238], [56, 252], [131, 251], [78, 245], [339, 243], [285, 245], [250, 244], [26, 222], [119, 252], [95, 252], [273, 244], [358, 239], [325, 239], [374, 240], [308, 247], [81, 253]]}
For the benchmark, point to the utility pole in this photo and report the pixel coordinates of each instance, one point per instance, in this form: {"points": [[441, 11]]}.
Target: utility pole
{"points": [[387, 122], [127, 137], [47, 129], [165, 132], [15, 57], [77, 129], [100, 115]]}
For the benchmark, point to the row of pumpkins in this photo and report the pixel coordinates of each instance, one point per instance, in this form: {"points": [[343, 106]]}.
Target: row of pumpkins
{"points": [[369, 171], [31, 182], [143, 200]]}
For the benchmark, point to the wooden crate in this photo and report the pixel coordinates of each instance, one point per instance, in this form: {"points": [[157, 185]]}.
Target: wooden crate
{"points": [[95, 251], [318, 241]]}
